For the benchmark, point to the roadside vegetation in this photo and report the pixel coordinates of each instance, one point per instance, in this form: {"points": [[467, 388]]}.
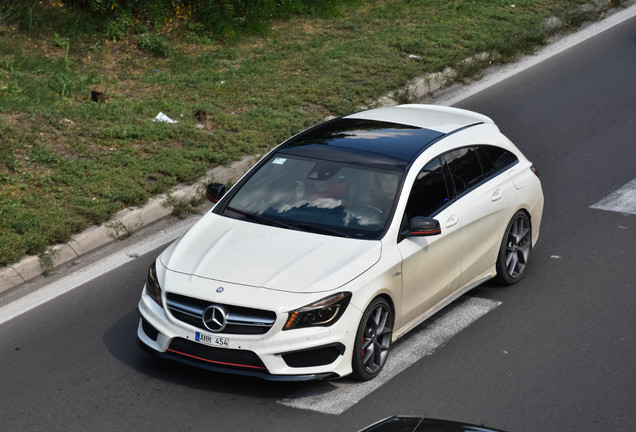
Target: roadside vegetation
{"points": [[81, 82]]}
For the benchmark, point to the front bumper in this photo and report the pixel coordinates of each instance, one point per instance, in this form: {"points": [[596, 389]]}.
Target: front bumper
{"points": [[294, 355]]}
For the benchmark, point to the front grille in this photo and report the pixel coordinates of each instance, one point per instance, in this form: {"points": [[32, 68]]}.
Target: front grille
{"points": [[221, 357], [240, 320]]}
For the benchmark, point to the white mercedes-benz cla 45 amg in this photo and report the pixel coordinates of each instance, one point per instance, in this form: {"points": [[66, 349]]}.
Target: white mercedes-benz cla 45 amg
{"points": [[339, 241]]}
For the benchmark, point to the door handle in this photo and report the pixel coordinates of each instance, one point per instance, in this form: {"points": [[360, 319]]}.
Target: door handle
{"points": [[497, 195], [452, 221]]}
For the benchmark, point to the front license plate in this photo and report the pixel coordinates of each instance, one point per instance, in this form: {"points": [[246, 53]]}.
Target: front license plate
{"points": [[212, 340]]}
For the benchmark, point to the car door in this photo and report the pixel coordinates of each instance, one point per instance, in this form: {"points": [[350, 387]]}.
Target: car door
{"points": [[430, 265], [483, 199]]}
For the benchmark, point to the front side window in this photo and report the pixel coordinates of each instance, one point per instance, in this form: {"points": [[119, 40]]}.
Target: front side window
{"points": [[310, 194], [430, 191]]}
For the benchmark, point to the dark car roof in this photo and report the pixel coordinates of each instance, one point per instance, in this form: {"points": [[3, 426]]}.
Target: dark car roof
{"points": [[368, 142], [421, 424], [382, 137]]}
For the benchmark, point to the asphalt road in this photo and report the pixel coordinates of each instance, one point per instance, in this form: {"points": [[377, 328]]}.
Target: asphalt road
{"points": [[557, 353]]}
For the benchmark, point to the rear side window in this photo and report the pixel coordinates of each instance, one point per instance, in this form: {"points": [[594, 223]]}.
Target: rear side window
{"points": [[495, 159], [464, 167]]}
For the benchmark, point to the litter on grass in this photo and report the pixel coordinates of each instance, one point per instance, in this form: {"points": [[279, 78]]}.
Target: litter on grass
{"points": [[161, 117]]}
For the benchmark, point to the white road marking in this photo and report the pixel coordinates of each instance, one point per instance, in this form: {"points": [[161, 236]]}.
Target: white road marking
{"points": [[623, 200], [335, 397], [93, 271]]}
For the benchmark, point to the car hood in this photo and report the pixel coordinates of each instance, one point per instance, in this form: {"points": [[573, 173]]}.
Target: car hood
{"points": [[245, 253]]}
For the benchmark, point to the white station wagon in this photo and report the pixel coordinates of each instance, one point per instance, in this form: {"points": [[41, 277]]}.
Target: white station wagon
{"points": [[341, 240]]}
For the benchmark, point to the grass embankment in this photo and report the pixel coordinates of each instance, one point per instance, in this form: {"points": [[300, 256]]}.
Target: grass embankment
{"points": [[67, 162]]}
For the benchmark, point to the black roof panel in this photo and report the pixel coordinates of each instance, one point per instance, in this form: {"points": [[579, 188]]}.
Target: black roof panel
{"points": [[390, 141]]}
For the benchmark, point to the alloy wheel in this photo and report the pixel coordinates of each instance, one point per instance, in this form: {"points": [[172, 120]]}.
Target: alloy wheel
{"points": [[518, 245], [376, 338]]}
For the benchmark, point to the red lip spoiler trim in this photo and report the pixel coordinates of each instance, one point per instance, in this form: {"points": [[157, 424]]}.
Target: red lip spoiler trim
{"points": [[216, 362], [427, 232]]}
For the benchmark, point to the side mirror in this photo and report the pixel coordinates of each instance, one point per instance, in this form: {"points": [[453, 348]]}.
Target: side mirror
{"points": [[423, 226], [215, 191]]}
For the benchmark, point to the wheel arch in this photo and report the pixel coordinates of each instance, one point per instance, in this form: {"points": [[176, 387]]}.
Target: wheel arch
{"points": [[386, 295]]}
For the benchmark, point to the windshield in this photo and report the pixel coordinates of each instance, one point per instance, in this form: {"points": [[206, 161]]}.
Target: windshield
{"points": [[317, 195]]}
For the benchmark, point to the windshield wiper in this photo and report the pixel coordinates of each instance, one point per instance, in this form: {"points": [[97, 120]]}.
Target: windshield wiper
{"points": [[299, 225], [318, 229], [259, 219]]}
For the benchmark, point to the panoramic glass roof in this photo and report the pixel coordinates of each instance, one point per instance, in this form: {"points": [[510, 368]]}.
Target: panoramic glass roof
{"points": [[386, 143]]}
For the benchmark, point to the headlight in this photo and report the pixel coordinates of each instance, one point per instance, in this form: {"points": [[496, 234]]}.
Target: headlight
{"points": [[152, 284], [323, 313]]}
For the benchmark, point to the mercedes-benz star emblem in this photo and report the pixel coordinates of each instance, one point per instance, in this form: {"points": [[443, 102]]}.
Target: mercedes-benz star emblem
{"points": [[214, 318]]}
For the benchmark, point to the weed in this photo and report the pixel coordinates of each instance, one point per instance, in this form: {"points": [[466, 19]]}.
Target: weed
{"points": [[47, 260], [405, 95], [118, 27], [11, 88], [183, 207], [65, 44], [154, 44], [119, 231]]}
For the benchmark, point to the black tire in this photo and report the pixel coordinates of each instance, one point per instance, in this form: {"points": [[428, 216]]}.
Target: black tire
{"points": [[514, 252], [373, 340]]}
